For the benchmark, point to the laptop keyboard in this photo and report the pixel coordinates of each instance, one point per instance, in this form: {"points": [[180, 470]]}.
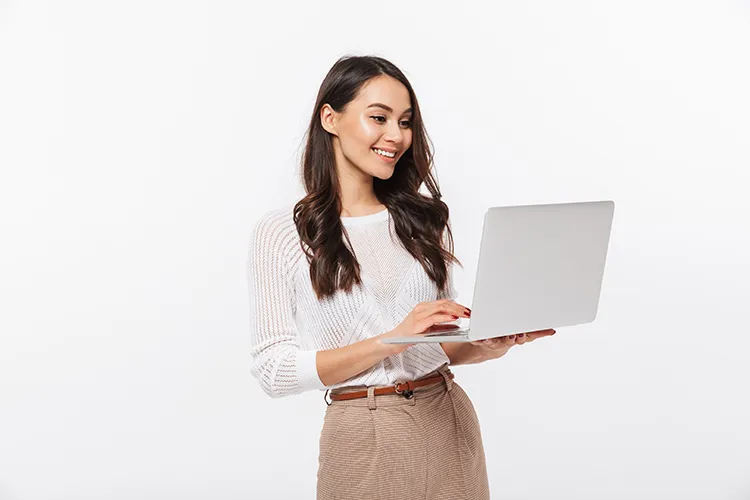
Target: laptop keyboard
{"points": [[445, 334]]}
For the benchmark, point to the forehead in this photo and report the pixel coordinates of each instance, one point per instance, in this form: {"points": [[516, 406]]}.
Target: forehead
{"points": [[384, 89]]}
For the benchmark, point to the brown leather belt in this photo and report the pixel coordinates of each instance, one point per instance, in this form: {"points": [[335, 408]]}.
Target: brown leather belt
{"points": [[406, 389]]}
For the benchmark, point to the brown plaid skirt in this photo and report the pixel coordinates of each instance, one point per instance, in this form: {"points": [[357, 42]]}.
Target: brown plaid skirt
{"points": [[391, 448]]}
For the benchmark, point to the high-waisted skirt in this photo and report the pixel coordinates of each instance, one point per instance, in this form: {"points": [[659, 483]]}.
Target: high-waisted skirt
{"points": [[392, 448]]}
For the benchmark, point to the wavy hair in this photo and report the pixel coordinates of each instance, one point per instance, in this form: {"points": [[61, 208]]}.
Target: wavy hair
{"points": [[419, 220]]}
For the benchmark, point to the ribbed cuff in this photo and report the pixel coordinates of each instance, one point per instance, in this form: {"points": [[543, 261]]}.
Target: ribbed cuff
{"points": [[307, 372]]}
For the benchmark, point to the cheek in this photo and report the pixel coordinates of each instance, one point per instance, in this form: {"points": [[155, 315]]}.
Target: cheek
{"points": [[359, 137], [368, 131], [407, 138]]}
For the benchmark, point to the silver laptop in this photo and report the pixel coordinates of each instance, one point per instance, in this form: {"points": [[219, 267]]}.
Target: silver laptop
{"points": [[540, 267]]}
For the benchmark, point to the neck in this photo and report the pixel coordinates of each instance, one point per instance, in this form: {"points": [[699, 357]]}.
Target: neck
{"points": [[355, 188]]}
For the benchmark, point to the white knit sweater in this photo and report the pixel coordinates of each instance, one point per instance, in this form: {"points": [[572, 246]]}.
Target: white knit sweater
{"points": [[288, 324]]}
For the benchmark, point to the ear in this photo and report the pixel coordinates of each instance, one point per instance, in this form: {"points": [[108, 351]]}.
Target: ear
{"points": [[328, 119]]}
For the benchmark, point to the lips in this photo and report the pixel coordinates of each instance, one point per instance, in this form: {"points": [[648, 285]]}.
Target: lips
{"points": [[384, 159], [390, 153]]}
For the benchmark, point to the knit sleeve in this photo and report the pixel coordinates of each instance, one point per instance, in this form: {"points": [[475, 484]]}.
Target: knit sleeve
{"points": [[278, 363]]}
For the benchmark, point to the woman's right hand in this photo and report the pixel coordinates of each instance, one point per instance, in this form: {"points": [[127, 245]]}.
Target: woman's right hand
{"points": [[427, 317]]}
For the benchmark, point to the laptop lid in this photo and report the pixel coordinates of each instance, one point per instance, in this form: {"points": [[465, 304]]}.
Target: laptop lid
{"points": [[540, 266]]}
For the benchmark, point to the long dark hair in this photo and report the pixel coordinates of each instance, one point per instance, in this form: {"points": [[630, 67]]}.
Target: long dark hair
{"points": [[419, 220]]}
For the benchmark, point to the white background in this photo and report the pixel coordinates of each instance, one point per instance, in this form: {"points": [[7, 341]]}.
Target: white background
{"points": [[140, 140]]}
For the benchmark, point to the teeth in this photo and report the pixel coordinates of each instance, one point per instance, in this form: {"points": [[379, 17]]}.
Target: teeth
{"points": [[384, 153]]}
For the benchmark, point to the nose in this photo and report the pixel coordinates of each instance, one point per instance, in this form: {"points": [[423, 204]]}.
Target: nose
{"points": [[394, 133]]}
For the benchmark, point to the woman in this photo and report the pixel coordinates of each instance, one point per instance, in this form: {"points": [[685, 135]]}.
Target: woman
{"points": [[362, 257]]}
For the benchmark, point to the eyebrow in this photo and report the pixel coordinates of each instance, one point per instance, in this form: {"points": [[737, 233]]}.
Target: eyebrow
{"points": [[387, 108]]}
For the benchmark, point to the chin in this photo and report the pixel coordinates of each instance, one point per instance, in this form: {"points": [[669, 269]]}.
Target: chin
{"points": [[383, 173]]}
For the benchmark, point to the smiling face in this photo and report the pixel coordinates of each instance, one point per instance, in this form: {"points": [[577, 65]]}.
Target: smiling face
{"points": [[374, 130]]}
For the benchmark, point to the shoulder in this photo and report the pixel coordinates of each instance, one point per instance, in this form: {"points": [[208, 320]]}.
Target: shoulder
{"points": [[274, 229], [275, 217]]}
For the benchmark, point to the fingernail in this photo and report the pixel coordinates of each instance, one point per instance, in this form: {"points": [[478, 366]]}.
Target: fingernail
{"points": [[454, 317]]}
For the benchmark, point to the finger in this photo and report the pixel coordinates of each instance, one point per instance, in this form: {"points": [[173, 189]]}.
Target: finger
{"points": [[429, 310], [546, 331], [444, 319], [539, 334], [448, 306], [441, 327], [441, 318], [521, 339], [508, 340], [462, 308], [452, 308], [434, 320]]}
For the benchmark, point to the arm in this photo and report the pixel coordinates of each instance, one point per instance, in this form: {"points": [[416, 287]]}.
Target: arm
{"points": [[466, 353], [459, 353], [340, 364], [279, 363]]}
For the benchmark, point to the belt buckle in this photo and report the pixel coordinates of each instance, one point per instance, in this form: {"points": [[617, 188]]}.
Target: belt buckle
{"points": [[408, 393]]}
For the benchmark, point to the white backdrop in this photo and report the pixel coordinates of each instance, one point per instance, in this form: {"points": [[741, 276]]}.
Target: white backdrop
{"points": [[139, 141]]}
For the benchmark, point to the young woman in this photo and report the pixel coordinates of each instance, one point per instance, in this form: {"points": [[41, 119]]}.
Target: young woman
{"points": [[364, 256]]}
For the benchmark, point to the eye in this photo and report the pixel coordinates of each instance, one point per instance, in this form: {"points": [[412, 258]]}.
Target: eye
{"points": [[381, 119]]}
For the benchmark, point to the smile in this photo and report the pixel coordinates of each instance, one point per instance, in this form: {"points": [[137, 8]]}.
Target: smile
{"points": [[385, 154]]}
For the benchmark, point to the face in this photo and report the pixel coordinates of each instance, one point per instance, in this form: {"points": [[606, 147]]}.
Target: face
{"points": [[374, 130]]}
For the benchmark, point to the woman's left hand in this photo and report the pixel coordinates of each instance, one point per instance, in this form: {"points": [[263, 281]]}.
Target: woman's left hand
{"points": [[497, 346]]}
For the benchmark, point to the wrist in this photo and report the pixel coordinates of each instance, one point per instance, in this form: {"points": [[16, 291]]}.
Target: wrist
{"points": [[386, 350], [475, 354], [487, 354], [460, 353]]}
